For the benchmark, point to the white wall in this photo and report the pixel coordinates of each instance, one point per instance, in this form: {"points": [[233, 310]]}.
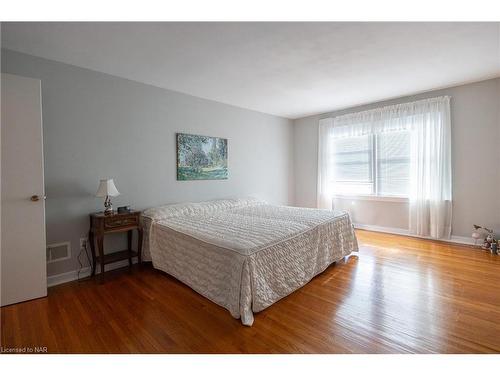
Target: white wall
{"points": [[97, 126], [476, 161]]}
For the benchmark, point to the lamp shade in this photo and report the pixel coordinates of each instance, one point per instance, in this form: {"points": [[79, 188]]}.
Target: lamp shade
{"points": [[107, 188]]}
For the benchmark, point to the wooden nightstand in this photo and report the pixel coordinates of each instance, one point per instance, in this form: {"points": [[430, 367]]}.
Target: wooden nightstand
{"points": [[101, 224]]}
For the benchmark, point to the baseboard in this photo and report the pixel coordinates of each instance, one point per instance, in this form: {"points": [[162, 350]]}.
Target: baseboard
{"points": [[66, 277], [405, 232]]}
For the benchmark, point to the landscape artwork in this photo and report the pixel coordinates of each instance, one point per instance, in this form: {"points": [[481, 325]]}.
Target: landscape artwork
{"points": [[201, 158]]}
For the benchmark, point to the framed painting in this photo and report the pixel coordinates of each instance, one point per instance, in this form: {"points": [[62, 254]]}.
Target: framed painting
{"points": [[200, 157]]}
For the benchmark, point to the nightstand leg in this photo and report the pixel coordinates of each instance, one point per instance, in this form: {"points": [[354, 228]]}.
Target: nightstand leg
{"points": [[129, 239], [139, 245], [92, 251], [100, 246]]}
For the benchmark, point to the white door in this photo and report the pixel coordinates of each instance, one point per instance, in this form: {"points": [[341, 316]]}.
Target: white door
{"points": [[23, 254]]}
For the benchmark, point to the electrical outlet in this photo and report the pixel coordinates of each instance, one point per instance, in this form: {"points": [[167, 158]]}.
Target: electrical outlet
{"points": [[83, 243]]}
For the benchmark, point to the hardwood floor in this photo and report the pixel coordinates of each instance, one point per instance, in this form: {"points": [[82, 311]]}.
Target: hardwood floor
{"points": [[400, 295]]}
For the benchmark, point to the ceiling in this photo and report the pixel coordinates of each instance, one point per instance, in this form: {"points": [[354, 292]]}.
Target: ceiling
{"points": [[286, 69]]}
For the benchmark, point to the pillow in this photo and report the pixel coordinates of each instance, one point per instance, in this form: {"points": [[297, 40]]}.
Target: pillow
{"points": [[190, 208]]}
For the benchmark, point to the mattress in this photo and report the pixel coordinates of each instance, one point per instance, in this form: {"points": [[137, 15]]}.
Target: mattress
{"points": [[245, 254]]}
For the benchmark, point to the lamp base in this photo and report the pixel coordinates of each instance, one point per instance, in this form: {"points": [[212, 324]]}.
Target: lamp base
{"points": [[108, 207]]}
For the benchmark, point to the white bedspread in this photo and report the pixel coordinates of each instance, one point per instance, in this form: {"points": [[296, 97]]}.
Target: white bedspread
{"points": [[244, 254]]}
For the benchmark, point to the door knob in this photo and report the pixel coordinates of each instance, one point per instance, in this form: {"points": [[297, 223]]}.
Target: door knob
{"points": [[36, 198]]}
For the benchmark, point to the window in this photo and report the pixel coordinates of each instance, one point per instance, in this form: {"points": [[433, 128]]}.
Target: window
{"points": [[392, 169], [353, 172], [400, 151], [375, 164]]}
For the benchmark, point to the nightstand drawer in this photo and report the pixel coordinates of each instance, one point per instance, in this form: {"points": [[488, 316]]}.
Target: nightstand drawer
{"points": [[116, 222]]}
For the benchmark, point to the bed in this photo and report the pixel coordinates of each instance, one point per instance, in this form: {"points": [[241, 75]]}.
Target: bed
{"points": [[245, 254]]}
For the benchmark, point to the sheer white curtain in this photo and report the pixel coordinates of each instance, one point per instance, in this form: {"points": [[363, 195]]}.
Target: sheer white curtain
{"points": [[325, 164], [430, 174]]}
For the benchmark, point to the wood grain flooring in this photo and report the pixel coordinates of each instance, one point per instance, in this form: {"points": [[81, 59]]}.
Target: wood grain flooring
{"points": [[399, 295]]}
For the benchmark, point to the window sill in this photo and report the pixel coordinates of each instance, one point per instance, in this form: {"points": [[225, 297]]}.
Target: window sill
{"points": [[371, 198]]}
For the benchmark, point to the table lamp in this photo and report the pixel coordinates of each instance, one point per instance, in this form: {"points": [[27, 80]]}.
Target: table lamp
{"points": [[107, 189]]}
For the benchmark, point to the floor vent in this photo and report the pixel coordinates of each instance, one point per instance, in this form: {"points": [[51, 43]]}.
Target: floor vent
{"points": [[58, 251]]}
